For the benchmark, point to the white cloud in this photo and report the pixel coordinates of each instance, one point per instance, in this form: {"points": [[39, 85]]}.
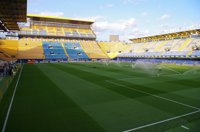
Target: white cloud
{"points": [[136, 33], [97, 18], [48, 13], [117, 26], [104, 28], [164, 17], [94, 18], [166, 28], [126, 29]]}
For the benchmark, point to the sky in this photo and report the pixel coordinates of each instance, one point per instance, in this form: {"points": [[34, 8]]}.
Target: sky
{"points": [[127, 18]]}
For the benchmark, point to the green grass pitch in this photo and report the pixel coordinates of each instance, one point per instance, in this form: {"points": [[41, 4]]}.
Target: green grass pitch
{"points": [[98, 97]]}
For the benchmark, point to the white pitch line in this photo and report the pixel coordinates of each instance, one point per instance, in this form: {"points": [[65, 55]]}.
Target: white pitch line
{"points": [[171, 69], [127, 78], [11, 102], [185, 127], [171, 75], [159, 122], [170, 100]]}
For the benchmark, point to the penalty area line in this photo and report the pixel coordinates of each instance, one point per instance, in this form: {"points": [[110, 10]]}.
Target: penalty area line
{"points": [[185, 127], [153, 95], [163, 121], [166, 67], [11, 102]]}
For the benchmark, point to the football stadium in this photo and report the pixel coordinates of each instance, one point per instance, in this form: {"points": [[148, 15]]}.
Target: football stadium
{"points": [[56, 76]]}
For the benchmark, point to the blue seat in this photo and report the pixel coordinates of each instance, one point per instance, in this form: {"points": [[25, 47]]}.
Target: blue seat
{"points": [[53, 50], [75, 51]]}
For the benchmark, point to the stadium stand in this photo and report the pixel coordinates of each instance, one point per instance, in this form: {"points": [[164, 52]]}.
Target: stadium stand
{"points": [[9, 49], [165, 47], [75, 51], [113, 49], [29, 49], [195, 54], [54, 50], [93, 50], [57, 31], [10, 16], [58, 27], [62, 38], [53, 38]]}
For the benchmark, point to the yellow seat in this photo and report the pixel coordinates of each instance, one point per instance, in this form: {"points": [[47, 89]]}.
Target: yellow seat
{"points": [[93, 50], [113, 49], [9, 49], [30, 50]]}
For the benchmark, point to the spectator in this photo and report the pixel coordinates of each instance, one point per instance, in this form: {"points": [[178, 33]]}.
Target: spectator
{"points": [[7, 69]]}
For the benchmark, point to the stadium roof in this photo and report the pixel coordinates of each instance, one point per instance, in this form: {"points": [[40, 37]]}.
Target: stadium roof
{"points": [[11, 12], [36, 17], [167, 36]]}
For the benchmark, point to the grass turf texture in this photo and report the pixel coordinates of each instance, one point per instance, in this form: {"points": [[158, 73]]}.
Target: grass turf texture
{"points": [[110, 97]]}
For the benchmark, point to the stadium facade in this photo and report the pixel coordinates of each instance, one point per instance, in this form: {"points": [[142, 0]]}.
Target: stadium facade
{"points": [[47, 38], [95, 96], [178, 47]]}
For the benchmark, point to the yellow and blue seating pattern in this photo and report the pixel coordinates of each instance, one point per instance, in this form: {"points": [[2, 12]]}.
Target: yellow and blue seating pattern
{"points": [[166, 48], [53, 50], [75, 51], [93, 50], [30, 48], [113, 49], [40, 30]]}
